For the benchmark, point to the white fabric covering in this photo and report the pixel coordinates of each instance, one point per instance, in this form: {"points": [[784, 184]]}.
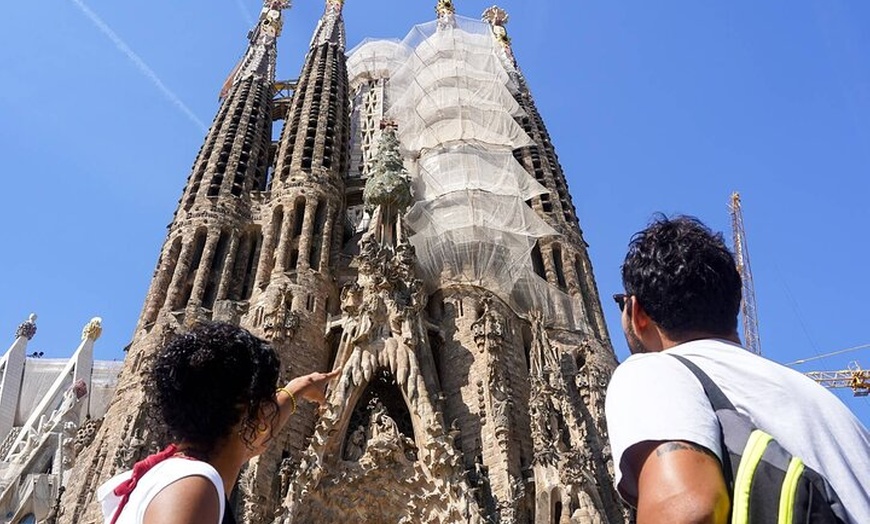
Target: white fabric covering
{"points": [[456, 110], [40, 374]]}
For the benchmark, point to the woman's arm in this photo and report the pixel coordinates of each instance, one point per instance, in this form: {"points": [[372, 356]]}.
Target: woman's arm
{"points": [[311, 387]]}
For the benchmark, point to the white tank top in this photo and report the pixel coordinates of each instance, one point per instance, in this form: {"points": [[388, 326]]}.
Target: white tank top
{"points": [[151, 483]]}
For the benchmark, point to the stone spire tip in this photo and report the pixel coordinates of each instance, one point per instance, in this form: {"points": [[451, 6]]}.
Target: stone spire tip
{"points": [[496, 16], [498, 19], [93, 329], [445, 8], [27, 329]]}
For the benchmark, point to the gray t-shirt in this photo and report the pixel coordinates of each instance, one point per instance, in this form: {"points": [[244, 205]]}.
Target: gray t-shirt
{"points": [[655, 397]]}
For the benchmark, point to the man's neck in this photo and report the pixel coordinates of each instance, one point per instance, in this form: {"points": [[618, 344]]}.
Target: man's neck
{"points": [[668, 341]]}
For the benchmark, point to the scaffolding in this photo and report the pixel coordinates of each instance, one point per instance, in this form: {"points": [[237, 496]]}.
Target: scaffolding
{"points": [[455, 105]]}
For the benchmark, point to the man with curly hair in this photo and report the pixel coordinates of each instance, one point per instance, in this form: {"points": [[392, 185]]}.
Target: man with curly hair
{"points": [[213, 392], [682, 297]]}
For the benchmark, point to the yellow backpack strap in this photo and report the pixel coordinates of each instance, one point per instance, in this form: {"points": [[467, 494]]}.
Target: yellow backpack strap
{"points": [[789, 490], [752, 452]]}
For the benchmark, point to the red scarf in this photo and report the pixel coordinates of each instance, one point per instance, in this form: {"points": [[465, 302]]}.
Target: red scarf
{"points": [[139, 469]]}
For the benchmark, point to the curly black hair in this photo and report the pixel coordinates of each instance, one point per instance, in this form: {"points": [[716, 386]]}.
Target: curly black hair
{"points": [[203, 382], [684, 277]]}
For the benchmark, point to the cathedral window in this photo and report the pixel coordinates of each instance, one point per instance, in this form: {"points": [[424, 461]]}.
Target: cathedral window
{"points": [[558, 269], [557, 509], [316, 237], [254, 240], [538, 261], [299, 215], [274, 241], [527, 345]]}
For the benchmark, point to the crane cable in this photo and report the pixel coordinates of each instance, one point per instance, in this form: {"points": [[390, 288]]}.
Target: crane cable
{"points": [[801, 361]]}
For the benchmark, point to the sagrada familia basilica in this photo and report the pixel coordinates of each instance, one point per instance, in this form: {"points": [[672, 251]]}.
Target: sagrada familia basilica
{"points": [[412, 227]]}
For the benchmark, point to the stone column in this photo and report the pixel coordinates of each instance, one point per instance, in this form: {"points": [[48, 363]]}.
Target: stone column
{"points": [[202, 272], [267, 255], [160, 286], [226, 280], [326, 241], [180, 273], [285, 240], [305, 237]]}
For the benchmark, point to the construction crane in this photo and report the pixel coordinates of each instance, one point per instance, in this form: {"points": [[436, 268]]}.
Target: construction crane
{"points": [[750, 317], [855, 378]]}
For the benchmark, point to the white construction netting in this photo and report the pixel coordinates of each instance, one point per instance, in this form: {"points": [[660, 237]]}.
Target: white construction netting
{"points": [[40, 375], [453, 100], [373, 60]]}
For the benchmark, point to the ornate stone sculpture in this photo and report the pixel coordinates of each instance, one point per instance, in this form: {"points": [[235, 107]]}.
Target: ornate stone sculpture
{"points": [[27, 329], [93, 329]]}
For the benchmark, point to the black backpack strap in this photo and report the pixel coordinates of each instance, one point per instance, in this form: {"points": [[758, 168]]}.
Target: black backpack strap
{"points": [[717, 398], [720, 403]]}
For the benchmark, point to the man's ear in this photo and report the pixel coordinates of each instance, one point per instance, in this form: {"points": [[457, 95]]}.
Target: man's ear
{"points": [[640, 321], [645, 328]]}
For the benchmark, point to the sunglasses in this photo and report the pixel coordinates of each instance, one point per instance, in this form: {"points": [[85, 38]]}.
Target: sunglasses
{"points": [[621, 300]]}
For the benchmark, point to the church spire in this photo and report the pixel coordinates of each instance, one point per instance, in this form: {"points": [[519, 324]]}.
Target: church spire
{"points": [[260, 58], [556, 208], [330, 28], [318, 122]]}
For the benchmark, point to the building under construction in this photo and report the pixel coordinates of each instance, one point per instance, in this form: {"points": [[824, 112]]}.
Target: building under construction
{"points": [[411, 226]]}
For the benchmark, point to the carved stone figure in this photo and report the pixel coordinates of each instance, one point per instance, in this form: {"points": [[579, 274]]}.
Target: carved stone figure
{"points": [[356, 444]]}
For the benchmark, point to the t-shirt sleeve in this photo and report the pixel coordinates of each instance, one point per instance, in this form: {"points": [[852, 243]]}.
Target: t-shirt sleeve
{"points": [[654, 397]]}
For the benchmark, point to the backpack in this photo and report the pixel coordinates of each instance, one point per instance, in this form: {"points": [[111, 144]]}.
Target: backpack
{"points": [[767, 484]]}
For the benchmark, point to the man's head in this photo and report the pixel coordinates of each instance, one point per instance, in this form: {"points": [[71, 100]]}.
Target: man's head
{"points": [[681, 282]]}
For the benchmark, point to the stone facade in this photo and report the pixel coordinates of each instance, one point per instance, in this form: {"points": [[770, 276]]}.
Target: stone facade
{"points": [[451, 405]]}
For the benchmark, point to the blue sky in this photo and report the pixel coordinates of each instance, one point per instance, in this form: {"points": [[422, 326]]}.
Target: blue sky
{"points": [[653, 106]]}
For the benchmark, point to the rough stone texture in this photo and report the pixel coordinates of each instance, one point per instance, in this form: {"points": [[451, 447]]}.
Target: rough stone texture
{"points": [[449, 407]]}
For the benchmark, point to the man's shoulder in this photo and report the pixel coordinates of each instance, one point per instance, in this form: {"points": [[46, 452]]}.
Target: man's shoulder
{"points": [[646, 364], [650, 373]]}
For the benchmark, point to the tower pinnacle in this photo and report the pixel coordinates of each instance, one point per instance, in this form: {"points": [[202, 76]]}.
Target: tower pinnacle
{"points": [[330, 28], [445, 8], [498, 19], [260, 57]]}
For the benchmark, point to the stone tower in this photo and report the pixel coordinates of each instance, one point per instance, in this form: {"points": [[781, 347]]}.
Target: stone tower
{"points": [[207, 264], [412, 227]]}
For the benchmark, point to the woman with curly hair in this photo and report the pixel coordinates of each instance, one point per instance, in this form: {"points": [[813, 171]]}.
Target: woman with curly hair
{"points": [[212, 390]]}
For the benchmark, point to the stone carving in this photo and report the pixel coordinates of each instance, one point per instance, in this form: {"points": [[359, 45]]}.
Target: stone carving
{"points": [[93, 329], [285, 474], [281, 321], [27, 329], [587, 512], [356, 444], [131, 447], [85, 435], [498, 18], [388, 184], [444, 8]]}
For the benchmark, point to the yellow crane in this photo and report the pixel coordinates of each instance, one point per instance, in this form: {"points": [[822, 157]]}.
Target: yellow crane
{"points": [[854, 377], [751, 338]]}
